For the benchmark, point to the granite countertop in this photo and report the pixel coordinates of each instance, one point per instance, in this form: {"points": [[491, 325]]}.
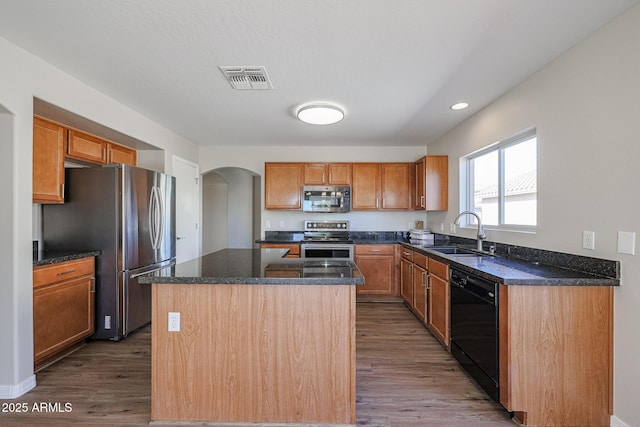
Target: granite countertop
{"points": [[261, 266], [53, 257], [516, 271]]}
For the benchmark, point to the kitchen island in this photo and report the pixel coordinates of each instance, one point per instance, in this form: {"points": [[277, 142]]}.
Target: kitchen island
{"points": [[246, 336]]}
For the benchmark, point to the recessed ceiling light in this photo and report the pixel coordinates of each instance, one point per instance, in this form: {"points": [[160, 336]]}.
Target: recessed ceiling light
{"points": [[459, 106], [320, 114]]}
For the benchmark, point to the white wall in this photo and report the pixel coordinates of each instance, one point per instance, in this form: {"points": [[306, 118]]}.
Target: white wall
{"points": [[215, 212], [253, 159], [23, 77], [586, 110]]}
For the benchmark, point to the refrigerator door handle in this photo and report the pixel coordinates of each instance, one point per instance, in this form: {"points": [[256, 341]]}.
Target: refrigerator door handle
{"points": [[133, 276], [155, 218]]}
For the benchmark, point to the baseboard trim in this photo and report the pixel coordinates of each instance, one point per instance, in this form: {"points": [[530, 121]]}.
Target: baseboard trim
{"points": [[17, 390], [617, 422]]}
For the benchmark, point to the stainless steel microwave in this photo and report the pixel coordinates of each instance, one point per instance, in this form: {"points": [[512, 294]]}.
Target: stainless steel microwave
{"points": [[321, 198]]}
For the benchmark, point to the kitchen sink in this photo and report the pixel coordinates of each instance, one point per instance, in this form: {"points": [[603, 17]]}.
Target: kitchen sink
{"points": [[456, 251]]}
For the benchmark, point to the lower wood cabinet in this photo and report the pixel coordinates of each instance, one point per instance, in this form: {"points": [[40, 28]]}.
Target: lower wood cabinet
{"points": [[420, 282], [294, 248], [63, 308], [406, 280], [438, 298], [377, 265]]}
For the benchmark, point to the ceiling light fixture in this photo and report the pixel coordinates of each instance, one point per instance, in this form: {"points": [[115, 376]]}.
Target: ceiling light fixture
{"points": [[320, 114], [459, 106]]}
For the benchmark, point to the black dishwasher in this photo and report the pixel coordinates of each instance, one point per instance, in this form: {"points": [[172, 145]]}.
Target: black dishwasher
{"points": [[474, 328]]}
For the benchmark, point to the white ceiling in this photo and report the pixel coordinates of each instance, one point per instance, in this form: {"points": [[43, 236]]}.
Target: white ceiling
{"points": [[394, 65]]}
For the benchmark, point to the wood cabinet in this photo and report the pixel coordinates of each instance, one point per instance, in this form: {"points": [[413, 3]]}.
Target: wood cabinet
{"points": [[382, 186], [556, 354], [120, 154], [294, 248], [89, 148], [283, 186], [48, 161], [406, 275], [63, 308], [420, 281], [327, 173], [82, 146], [438, 300], [377, 265], [432, 183]]}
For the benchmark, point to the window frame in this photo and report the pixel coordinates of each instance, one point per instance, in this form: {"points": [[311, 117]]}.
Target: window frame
{"points": [[467, 184]]}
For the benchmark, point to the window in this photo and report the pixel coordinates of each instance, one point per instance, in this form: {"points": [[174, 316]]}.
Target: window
{"points": [[501, 183]]}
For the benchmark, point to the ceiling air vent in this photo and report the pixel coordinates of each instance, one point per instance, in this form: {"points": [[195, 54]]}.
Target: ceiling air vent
{"points": [[247, 78]]}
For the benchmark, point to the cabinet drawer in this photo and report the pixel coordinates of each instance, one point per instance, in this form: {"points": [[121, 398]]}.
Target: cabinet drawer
{"points": [[58, 272], [439, 269], [420, 260], [374, 249], [406, 254]]}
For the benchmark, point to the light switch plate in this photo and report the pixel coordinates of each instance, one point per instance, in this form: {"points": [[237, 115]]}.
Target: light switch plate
{"points": [[627, 242]]}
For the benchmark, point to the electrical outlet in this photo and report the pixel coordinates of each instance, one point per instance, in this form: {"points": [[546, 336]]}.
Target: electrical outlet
{"points": [[281, 224], [442, 226], [267, 224], [107, 322], [174, 321], [589, 240], [452, 227]]}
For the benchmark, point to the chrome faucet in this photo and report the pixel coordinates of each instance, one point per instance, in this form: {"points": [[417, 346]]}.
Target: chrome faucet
{"points": [[481, 235]]}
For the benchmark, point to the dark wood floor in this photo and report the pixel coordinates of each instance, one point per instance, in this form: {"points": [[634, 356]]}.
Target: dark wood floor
{"points": [[404, 378]]}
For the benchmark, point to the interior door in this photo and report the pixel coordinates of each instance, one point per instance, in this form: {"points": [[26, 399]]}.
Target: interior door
{"points": [[187, 217]]}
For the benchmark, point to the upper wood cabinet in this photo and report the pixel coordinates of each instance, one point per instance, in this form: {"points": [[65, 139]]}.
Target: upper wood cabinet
{"points": [[382, 186], [327, 173], [82, 146], [283, 185], [48, 161], [120, 154], [432, 183]]}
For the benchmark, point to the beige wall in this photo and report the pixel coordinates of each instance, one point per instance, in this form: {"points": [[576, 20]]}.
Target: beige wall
{"points": [[23, 77], [586, 110]]}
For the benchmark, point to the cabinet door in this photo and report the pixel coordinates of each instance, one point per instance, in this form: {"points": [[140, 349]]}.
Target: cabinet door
{"points": [[396, 186], [437, 183], [438, 299], [377, 269], [339, 174], [420, 292], [315, 173], [365, 186], [48, 161], [283, 185], [406, 281], [86, 147], [419, 201], [62, 315], [119, 154]]}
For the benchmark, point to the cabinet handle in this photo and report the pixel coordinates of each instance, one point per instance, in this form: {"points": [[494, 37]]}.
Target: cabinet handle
{"points": [[422, 201], [406, 253], [93, 286], [377, 204], [375, 250], [66, 272], [428, 277]]}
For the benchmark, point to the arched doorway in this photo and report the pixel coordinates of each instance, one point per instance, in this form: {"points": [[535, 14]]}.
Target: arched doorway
{"points": [[230, 209]]}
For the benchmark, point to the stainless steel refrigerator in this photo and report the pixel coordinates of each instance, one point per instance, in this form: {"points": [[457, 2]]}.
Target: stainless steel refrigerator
{"points": [[128, 213]]}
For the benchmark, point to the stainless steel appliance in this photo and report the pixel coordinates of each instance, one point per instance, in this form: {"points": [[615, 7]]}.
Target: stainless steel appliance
{"points": [[128, 213], [326, 239], [319, 198], [474, 328]]}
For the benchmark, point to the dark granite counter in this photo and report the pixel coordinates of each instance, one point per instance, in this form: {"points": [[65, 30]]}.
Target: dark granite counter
{"points": [[53, 257], [546, 268], [259, 267]]}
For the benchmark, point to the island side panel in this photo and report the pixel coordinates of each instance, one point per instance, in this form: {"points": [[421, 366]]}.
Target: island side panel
{"points": [[254, 353], [557, 367]]}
